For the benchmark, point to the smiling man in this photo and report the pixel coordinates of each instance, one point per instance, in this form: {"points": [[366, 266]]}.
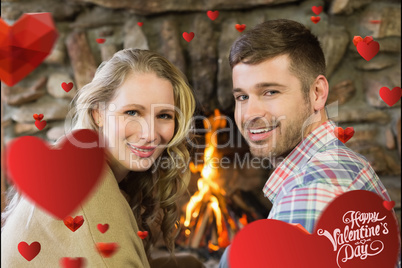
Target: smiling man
{"points": [[280, 90]]}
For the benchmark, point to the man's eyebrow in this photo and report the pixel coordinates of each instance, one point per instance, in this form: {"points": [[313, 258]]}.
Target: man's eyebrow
{"points": [[264, 85]]}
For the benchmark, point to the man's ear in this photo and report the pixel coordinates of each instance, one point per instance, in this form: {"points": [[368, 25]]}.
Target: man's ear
{"points": [[97, 116], [320, 92]]}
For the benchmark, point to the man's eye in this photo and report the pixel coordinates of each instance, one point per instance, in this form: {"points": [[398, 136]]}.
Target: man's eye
{"points": [[132, 112], [165, 116], [271, 92], [241, 97]]}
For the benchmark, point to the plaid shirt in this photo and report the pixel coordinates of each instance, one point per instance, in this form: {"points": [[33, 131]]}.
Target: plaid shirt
{"points": [[319, 169]]}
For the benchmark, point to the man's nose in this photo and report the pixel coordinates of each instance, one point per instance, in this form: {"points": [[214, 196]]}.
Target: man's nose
{"points": [[253, 109]]}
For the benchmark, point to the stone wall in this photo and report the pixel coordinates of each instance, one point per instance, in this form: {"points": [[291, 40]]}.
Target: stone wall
{"points": [[354, 82]]}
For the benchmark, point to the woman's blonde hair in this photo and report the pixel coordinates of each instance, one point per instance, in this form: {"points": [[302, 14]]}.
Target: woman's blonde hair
{"points": [[153, 194]]}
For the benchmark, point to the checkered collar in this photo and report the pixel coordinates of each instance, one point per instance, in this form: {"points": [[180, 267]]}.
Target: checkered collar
{"points": [[299, 156]]}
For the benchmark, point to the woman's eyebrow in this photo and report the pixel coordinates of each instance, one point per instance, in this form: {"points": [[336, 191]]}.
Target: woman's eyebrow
{"points": [[138, 106]]}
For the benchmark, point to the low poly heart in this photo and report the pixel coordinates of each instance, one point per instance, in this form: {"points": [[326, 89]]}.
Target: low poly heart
{"points": [[67, 173], [73, 223], [344, 135]]}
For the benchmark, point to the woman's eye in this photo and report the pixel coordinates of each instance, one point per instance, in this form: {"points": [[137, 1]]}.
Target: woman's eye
{"points": [[165, 116], [241, 97], [132, 112]]}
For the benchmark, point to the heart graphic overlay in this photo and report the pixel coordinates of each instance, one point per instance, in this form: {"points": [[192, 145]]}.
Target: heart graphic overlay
{"points": [[73, 223], [188, 36], [240, 27], [344, 135], [67, 175], [315, 19], [72, 262], [100, 40], [140, 23], [29, 251], [390, 97], [107, 249], [368, 51], [213, 14], [354, 230], [40, 124], [67, 87], [103, 227], [24, 45], [38, 117], [142, 234], [317, 10], [388, 204], [357, 39]]}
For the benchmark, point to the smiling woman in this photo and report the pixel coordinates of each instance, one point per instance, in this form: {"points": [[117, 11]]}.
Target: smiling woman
{"points": [[141, 106]]}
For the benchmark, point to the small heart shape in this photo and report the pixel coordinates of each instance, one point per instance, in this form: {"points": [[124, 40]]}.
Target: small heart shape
{"points": [[368, 39], [29, 251], [375, 21], [388, 204], [67, 87], [315, 19], [344, 135], [140, 23], [240, 27], [357, 39], [73, 223], [142, 234], [107, 249], [72, 262], [100, 40], [368, 51], [188, 36], [213, 14], [40, 124], [38, 117], [316, 10], [103, 227], [390, 97]]}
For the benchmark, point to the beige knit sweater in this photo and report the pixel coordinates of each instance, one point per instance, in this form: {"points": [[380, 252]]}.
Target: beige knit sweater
{"points": [[106, 204]]}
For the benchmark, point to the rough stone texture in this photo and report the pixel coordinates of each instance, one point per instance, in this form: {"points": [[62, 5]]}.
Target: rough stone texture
{"points": [[54, 86], [99, 16], [334, 43], [107, 51], [58, 54], [61, 10], [51, 108], [347, 7], [18, 95], [81, 58], [379, 62], [169, 44], [362, 115], [390, 24], [390, 44], [134, 36], [389, 139], [203, 60], [154, 6], [27, 129], [341, 92], [398, 134]]}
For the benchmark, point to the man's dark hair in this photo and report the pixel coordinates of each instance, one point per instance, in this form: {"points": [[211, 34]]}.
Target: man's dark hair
{"points": [[282, 37]]}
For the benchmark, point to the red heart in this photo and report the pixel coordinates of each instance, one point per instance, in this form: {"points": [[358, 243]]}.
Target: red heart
{"points": [[24, 45], [29, 251], [368, 51], [368, 39], [142, 234], [241, 27], [357, 39], [103, 227], [315, 19], [72, 262], [140, 23], [67, 174], [188, 36], [38, 117], [73, 223], [390, 96], [40, 124], [388, 204], [375, 21], [344, 135], [213, 14], [290, 246], [100, 40], [107, 249], [67, 87], [316, 10]]}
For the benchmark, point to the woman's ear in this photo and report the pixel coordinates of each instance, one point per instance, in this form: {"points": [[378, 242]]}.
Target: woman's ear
{"points": [[96, 115], [320, 92]]}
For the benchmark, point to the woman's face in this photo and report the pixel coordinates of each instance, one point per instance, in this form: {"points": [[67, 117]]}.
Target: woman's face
{"points": [[139, 122]]}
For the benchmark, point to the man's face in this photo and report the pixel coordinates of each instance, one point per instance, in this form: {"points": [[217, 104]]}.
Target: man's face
{"points": [[270, 106]]}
